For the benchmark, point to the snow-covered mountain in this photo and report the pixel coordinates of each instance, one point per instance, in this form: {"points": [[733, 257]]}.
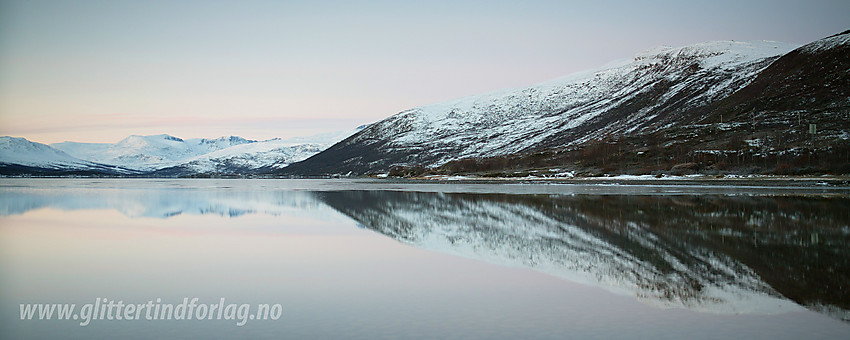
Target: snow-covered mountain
{"points": [[164, 155], [247, 158], [148, 153], [169, 155], [618, 98], [663, 93], [256, 157], [18, 155]]}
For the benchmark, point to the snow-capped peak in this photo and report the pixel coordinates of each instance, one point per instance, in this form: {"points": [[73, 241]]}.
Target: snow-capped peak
{"points": [[232, 140], [148, 152], [16, 151]]}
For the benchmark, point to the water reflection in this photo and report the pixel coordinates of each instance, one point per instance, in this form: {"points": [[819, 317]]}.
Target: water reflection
{"points": [[720, 253], [161, 203]]}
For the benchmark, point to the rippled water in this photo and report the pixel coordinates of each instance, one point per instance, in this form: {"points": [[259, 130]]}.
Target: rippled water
{"points": [[374, 259]]}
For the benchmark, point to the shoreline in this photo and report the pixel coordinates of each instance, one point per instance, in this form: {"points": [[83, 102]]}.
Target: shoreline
{"points": [[824, 181]]}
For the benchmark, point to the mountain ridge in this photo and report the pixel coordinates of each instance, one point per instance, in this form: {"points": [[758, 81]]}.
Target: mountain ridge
{"points": [[160, 155], [669, 99]]}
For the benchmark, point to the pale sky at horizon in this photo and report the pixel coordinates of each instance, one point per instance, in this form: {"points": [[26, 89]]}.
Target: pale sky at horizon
{"points": [[98, 71]]}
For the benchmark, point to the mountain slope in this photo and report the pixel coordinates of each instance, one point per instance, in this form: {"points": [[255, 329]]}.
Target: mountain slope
{"points": [[625, 98], [811, 83], [19, 156], [711, 107]]}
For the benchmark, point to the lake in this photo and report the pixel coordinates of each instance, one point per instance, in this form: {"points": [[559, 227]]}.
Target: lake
{"points": [[373, 259]]}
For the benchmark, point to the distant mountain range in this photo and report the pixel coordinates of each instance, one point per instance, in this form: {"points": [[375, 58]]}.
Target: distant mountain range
{"points": [[160, 155], [717, 107]]}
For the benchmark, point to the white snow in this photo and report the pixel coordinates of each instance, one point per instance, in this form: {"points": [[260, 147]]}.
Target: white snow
{"points": [[511, 120], [20, 151], [148, 152], [203, 155], [275, 152], [827, 43]]}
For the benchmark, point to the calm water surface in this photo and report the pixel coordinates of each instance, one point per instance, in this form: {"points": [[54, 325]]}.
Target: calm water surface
{"points": [[362, 259]]}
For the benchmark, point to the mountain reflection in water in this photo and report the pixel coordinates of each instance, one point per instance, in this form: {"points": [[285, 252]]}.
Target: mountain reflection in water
{"points": [[720, 253]]}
